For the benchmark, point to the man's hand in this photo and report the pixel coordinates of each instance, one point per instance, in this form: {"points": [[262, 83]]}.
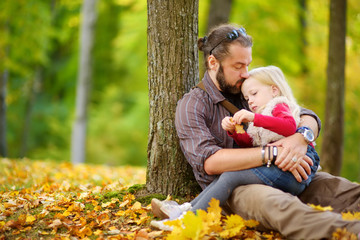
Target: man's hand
{"points": [[293, 156]]}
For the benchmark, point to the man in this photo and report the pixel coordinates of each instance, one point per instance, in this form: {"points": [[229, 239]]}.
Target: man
{"points": [[210, 151]]}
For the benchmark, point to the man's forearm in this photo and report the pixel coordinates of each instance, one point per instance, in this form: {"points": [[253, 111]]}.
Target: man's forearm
{"points": [[310, 122], [235, 159]]}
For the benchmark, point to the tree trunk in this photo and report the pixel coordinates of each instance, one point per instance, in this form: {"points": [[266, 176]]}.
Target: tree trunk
{"points": [[303, 41], [4, 76], [172, 71], [3, 86], [219, 13], [33, 90], [332, 148], [78, 141]]}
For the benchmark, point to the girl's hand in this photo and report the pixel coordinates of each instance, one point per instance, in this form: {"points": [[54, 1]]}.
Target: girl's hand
{"points": [[243, 116], [228, 125]]}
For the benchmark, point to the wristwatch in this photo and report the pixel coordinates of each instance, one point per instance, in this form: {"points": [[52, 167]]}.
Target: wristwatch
{"points": [[307, 133]]}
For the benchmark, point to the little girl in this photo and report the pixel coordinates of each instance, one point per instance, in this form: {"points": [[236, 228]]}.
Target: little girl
{"points": [[274, 114]]}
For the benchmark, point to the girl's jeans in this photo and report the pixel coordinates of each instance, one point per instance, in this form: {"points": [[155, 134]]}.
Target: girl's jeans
{"points": [[222, 187]]}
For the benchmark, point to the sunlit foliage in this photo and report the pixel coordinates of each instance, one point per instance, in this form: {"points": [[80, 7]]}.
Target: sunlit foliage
{"points": [[44, 43]]}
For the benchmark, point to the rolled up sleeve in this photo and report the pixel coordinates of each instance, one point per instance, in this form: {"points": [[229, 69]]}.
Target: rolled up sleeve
{"points": [[196, 140], [305, 111]]}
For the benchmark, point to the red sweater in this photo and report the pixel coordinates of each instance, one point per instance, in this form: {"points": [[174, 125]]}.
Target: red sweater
{"points": [[282, 122]]}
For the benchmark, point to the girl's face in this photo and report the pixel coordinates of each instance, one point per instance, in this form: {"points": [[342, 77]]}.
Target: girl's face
{"points": [[257, 94]]}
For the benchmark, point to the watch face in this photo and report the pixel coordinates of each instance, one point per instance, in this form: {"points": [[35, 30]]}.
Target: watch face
{"points": [[309, 135]]}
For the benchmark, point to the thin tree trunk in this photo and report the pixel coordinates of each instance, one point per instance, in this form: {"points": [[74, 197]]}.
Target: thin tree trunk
{"points": [[4, 76], [219, 13], [172, 71], [34, 87], [303, 29], [78, 141], [332, 146], [3, 86]]}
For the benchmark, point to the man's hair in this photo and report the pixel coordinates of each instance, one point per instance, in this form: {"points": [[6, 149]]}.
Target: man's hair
{"points": [[220, 38]]}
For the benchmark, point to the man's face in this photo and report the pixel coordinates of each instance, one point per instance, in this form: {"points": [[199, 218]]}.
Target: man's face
{"points": [[233, 69]]}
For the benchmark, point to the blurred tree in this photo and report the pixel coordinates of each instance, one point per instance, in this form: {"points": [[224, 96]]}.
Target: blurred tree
{"points": [[33, 89], [172, 71], [219, 13], [78, 141], [303, 42], [4, 52], [3, 86], [332, 145]]}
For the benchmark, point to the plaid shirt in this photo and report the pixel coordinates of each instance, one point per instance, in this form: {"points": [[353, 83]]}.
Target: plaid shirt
{"points": [[198, 123]]}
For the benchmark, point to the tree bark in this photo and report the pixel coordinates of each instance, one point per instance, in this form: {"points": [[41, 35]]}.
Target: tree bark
{"points": [[78, 141], [172, 71], [332, 146]]}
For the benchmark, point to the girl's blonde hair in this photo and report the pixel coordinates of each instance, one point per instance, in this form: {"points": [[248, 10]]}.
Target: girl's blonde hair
{"points": [[272, 75]]}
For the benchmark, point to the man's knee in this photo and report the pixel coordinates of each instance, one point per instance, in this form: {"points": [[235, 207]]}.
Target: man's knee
{"points": [[254, 201], [329, 190]]}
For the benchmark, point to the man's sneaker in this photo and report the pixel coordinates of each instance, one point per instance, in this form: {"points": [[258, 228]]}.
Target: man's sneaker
{"points": [[168, 209]]}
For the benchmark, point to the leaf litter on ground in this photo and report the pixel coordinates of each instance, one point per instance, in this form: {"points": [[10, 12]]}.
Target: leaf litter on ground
{"points": [[49, 200]]}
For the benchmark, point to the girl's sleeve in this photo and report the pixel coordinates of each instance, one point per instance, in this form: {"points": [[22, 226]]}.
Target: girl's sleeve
{"points": [[241, 139], [282, 122]]}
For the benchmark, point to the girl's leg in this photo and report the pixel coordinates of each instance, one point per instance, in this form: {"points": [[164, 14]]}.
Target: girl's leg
{"points": [[222, 187], [285, 181]]}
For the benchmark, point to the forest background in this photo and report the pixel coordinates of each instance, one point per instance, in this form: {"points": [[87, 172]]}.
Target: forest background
{"points": [[39, 46]]}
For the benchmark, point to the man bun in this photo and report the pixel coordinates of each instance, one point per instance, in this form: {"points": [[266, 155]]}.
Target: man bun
{"points": [[201, 43]]}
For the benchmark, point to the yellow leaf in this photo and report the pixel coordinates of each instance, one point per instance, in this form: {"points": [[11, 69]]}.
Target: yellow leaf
{"points": [[43, 233], [30, 219], [320, 208], [105, 205], [191, 227], [98, 232], [124, 203], [214, 209], [66, 213], [85, 231], [234, 225], [351, 216], [113, 228], [251, 223], [239, 128], [136, 206], [120, 213]]}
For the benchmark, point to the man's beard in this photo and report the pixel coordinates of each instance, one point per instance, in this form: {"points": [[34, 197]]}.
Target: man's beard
{"points": [[224, 86]]}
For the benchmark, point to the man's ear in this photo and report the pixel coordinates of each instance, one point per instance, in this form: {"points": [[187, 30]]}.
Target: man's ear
{"points": [[213, 62]]}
